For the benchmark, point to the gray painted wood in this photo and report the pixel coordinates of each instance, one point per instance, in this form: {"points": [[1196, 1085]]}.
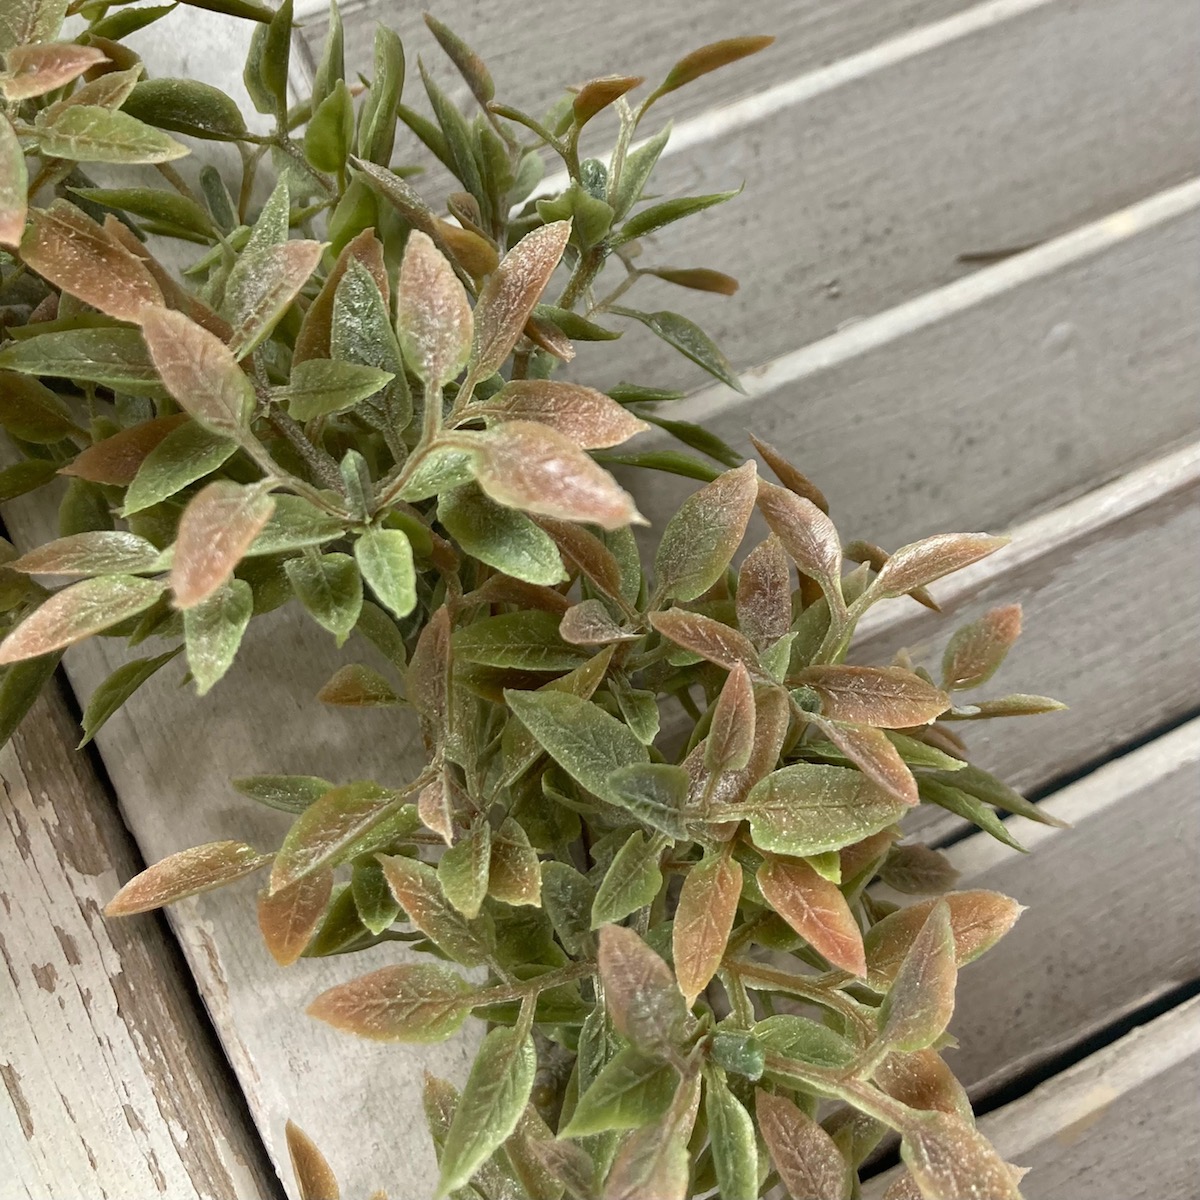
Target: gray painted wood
{"points": [[1111, 914], [112, 1083], [993, 397], [1121, 1123]]}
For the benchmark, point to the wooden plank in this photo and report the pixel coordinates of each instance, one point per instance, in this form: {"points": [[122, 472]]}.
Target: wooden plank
{"points": [[1121, 1123], [1111, 920], [113, 1085], [1110, 588], [981, 402], [574, 42]]}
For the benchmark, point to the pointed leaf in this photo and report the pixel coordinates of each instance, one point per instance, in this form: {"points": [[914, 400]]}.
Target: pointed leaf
{"points": [[314, 1177], [92, 134], [413, 1002], [287, 793], [289, 918], [584, 416], [654, 1160], [14, 182], [920, 1003], [417, 890], [710, 58], [918, 870], [514, 876], [808, 536], [651, 219], [809, 808], [116, 689], [654, 793], [77, 612], [492, 1102], [529, 466], [642, 998], [215, 531], [810, 1165], [873, 754], [630, 1091], [950, 1158], [99, 552], [463, 870], [789, 476], [597, 94], [689, 339], [356, 686], [708, 638], [633, 881], [815, 909], [704, 917], [320, 387], [890, 697], [213, 631], [330, 587], [975, 652], [257, 296], [731, 734], [731, 1136], [433, 316], [922, 562], [187, 873], [507, 299], [117, 459], [385, 558], [590, 624]]}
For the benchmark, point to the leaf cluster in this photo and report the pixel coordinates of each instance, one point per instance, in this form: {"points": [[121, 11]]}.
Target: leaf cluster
{"points": [[657, 802]]}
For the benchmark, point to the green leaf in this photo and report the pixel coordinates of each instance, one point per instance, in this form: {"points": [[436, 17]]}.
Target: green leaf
{"points": [[385, 558], [294, 525], [416, 887], [808, 808], [492, 1102], [330, 587], [632, 881], [805, 1040], [700, 539], [651, 219], [526, 640], [185, 455], [115, 358], [116, 689], [154, 204], [456, 137], [377, 123], [654, 793], [117, 26], [500, 537], [77, 612], [25, 21], [287, 793], [696, 437], [31, 411], [640, 992], [576, 327], [330, 131], [356, 686], [25, 476], [738, 1052], [920, 1002], [631, 1090], [14, 183], [20, 685], [463, 869], [580, 736], [670, 461], [372, 897], [986, 787], [567, 897], [970, 808], [380, 630], [332, 67], [731, 1136], [635, 172], [186, 106], [89, 133], [689, 339], [213, 631], [98, 552]]}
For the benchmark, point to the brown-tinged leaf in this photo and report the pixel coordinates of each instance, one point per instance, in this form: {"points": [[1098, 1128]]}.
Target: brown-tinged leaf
{"points": [[546, 335], [116, 459], [199, 371], [77, 612], [64, 245], [187, 873], [700, 539], [874, 755], [523, 1153], [922, 1080], [920, 1003], [920, 563], [704, 917], [764, 593], [584, 416], [508, 297], [289, 918], [433, 315], [1008, 706], [314, 1176], [772, 716], [809, 1163], [470, 66], [698, 279], [436, 804], [257, 296], [313, 339], [708, 638], [978, 919], [357, 686], [791, 478], [807, 535], [426, 682], [590, 624], [475, 254], [323, 832], [875, 556], [975, 652], [731, 734], [531, 467], [653, 1161], [14, 182], [597, 94], [515, 873], [815, 909], [809, 808], [411, 1002], [570, 1164], [216, 529], [950, 1159], [643, 1000], [710, 58], [43, 67], [585, 552], [918, 870], [417, 890], [97, 552], [887, 697]]}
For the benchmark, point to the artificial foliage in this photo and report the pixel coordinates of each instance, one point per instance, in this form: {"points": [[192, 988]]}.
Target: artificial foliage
{"points": [[657, 805]]}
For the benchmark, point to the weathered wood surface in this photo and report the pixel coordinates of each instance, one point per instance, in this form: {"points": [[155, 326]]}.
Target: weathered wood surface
{"points": [[985, 400], [1120, 1124], [1112, 912], [113, 1084]]}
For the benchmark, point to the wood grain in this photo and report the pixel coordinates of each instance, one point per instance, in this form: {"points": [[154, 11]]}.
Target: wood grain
{"points": [[979, 403], [867, 181], [113, 1085], [1121, 1123], [1111, 915]]}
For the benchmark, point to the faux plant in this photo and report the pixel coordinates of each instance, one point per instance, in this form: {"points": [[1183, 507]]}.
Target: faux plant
{"points": [[645, 841]]}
